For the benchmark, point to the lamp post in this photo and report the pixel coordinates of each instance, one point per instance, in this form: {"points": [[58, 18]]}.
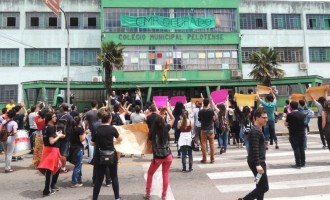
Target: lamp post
{"points": [[68, 59]]}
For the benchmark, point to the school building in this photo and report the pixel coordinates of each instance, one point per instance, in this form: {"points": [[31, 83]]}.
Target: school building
{"points": [[206, 45]]}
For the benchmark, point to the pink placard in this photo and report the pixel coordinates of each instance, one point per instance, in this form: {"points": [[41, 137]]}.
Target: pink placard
{"points": [[160, 101], [219, 96], [176, 99]]}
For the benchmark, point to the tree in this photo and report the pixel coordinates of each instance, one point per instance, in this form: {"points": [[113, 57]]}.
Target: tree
{"points": [[111, 57], [265, 66]]}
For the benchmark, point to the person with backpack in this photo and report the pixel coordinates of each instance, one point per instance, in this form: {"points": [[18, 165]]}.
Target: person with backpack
{"points": [[10, 127], [65, 124], [308, 114], [159, 137], [222, 126], [2, 121]]}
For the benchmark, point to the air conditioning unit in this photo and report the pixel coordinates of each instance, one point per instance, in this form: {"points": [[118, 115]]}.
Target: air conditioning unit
{"points": [[236, 73], [97, 78], [303, 66], [66, 78]]}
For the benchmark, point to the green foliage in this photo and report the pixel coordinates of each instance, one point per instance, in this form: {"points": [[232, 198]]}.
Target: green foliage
{"points": [[111, 57], [265, 66]]}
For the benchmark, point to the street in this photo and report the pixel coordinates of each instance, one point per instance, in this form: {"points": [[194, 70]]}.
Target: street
{"points": [[228, 178]]}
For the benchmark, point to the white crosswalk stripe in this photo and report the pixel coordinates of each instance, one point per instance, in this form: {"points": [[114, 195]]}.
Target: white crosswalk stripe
{"points": [[232, 176]]}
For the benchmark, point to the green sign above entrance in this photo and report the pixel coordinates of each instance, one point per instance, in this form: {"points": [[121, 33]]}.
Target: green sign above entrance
{"points": [[159, 22]]}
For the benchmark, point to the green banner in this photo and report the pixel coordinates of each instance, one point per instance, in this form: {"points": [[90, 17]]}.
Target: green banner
{"points": [[159, 22]]}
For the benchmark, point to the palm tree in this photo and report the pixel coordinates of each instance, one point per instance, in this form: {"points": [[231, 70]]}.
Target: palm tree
{"points": [[111, 57], [265, 66]]}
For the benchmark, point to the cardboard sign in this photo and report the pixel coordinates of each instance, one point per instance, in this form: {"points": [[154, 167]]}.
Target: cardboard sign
{"points": [[160, 101], [176, 99], [245, 99], [263, 89], [219, 96], [317, 92], [193, 100], [297, 97], [135, 139]]}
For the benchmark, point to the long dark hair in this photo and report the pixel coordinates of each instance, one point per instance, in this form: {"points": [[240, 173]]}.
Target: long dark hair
{"points": [[246, 115], [185, 119], [178, 109], [158, 129], [327, 106], [49, 116], [222, 112]]}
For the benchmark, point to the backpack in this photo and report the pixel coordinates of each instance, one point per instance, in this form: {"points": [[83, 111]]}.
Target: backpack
{"points": [[116, 120], [27, 123], [3, 131], [160, 151], [64, 124], [308, 114]]}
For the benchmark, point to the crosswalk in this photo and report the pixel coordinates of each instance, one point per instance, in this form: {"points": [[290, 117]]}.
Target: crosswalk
{"points": [[232, 177]]}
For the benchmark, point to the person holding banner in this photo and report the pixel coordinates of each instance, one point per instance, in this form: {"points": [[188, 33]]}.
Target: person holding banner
{"points": [[320, 104], [269, 129], [177, 113]]}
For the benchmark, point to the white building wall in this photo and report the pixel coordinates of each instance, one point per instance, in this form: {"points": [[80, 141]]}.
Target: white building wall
{"points": [[288, 38], [47, 38]]}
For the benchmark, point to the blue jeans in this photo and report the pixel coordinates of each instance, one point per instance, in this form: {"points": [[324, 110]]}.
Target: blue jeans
{"points": [[184, 150], [223, 139], [76, 174], [269, 129]]}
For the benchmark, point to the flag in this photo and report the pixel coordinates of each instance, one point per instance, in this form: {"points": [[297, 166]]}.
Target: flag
{"points": [[165, 72]]}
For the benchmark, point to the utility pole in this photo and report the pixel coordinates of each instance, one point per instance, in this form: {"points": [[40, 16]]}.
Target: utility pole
{"points": [[68, 59]]}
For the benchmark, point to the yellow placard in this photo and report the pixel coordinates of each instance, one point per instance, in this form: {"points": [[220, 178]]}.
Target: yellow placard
{"points": [[245, 99], [135, 139], [317, 92]]}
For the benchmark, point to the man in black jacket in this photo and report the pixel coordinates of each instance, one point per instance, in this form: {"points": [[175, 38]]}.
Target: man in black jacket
{"points": [[257, 156]]}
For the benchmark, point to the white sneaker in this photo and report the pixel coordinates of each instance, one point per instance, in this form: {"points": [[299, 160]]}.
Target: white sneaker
{"points": [[77, 185]]}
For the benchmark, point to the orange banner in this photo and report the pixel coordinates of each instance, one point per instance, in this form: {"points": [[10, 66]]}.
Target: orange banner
{"points": [[245, 99], [135, 139], [193, 100], [297, 97], [317, 92], [263, 89]]}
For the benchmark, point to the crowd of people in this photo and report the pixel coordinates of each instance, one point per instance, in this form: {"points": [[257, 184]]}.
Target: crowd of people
{"points": [[58, 136]]}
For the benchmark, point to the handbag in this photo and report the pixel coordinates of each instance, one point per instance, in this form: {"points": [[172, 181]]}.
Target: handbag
{"points": [[107, 157]]}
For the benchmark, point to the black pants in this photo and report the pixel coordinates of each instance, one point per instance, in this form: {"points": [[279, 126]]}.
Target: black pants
{"points": [[99, 176], [297, 144], [51, 181], [319, 125], [32, 135], [262, 187], [107, 175]]}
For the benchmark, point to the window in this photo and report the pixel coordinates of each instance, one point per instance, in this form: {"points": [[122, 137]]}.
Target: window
{"points": [[290, 54], [253, 21], [74, 22], [9, 20], [247, 51], [91, 22], [225, 19], [9, 57], [286, 21], [8, 92], [34, 21], [84, 20], [42, 20], [186, 57], [319, 54], [52, 21], [42, 57], [83, 57], [318, 22]]}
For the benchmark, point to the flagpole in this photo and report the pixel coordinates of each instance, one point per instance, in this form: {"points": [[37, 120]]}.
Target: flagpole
{"points": [[68, 58]]}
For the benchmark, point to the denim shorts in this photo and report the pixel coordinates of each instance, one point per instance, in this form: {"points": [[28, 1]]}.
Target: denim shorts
{"points": [[64, 147]]}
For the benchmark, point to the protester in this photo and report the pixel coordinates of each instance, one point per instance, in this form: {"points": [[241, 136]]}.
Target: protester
{"points": [[9, 145], [10, 105], [104, 140], [138, 117], [222, 126], [257, 156], [32, 125], [206, 117], [38, 142], [77, 151], [197, 126], [184, 142], [50, 163], [295, 122], [177, 113], [326, 121], [159, 136], [90, 118], [320, 104]]}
